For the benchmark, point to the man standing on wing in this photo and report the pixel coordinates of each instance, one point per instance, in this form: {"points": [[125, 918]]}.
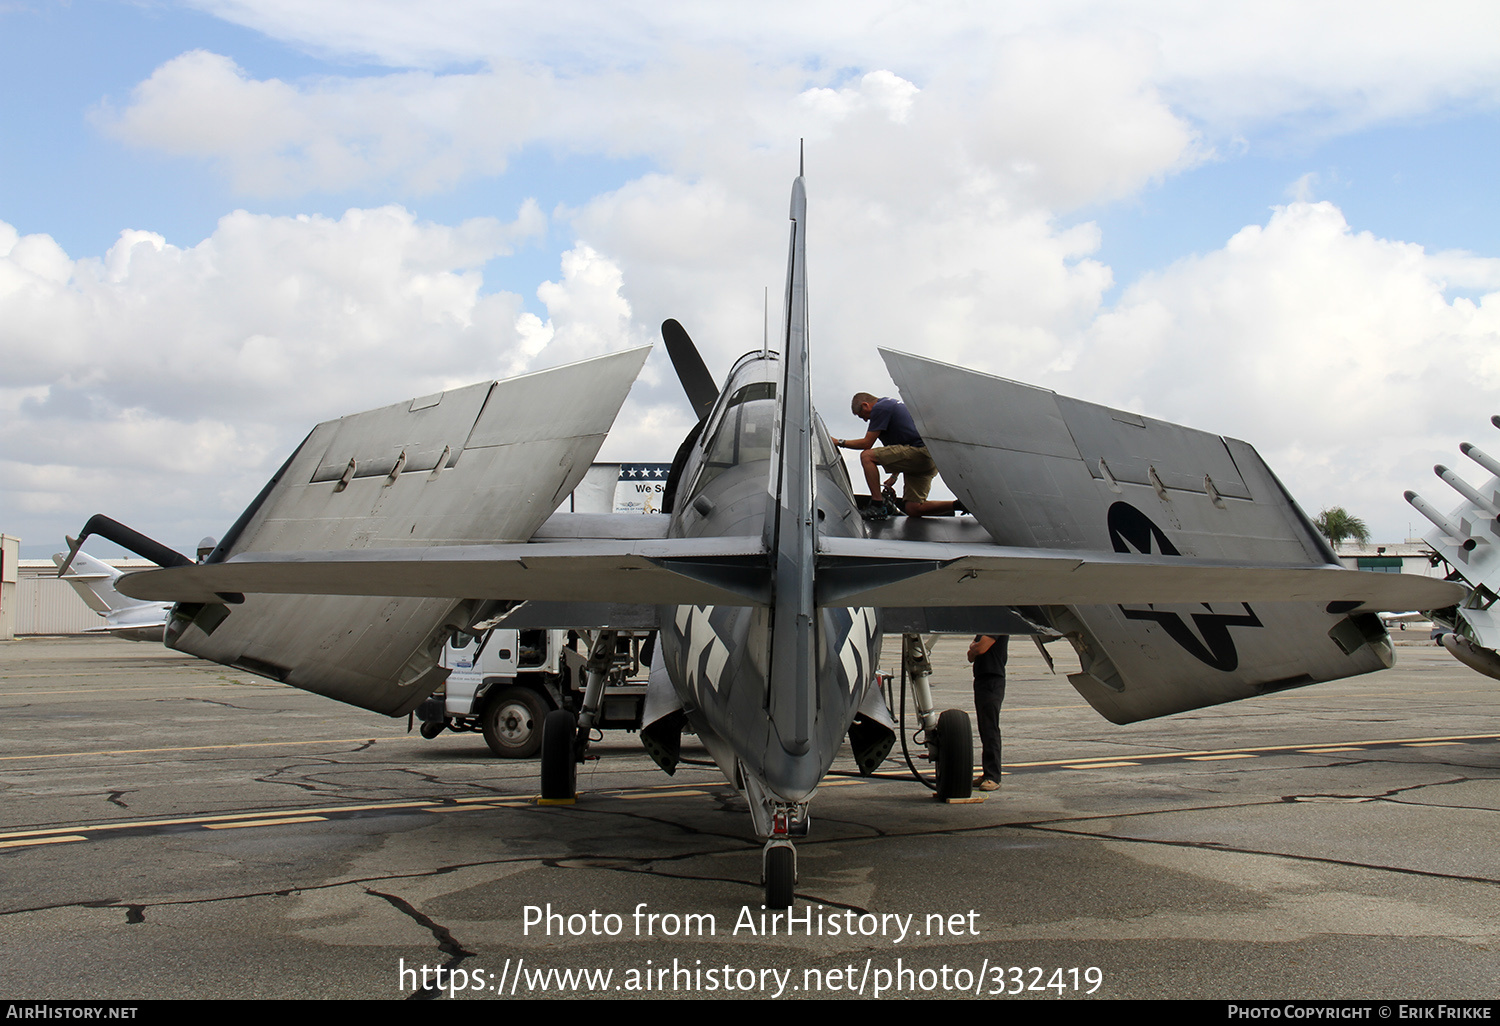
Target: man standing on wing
{"points": [[901, 451]]}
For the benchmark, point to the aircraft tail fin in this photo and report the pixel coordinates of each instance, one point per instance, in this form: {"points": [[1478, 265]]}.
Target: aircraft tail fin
{"points": [[93, 580], [790, 526]]}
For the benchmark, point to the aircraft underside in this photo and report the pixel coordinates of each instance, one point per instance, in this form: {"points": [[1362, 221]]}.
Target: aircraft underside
{"points": [[719, 660]]}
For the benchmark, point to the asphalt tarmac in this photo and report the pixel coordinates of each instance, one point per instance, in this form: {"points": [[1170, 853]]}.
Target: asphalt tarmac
{"points": [[175, 829]]}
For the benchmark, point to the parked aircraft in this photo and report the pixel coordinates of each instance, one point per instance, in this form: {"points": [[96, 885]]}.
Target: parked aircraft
{"points": [[129, 618], [1466, 540], [1173, 561]]}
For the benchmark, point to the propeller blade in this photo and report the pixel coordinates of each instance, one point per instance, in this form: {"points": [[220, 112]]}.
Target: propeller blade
{"points": [[697, 382]]}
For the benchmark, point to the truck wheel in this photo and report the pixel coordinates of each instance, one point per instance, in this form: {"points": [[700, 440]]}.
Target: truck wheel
{"points": [[513, 723]]}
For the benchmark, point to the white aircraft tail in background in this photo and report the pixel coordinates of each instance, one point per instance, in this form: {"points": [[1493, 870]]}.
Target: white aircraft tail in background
{"points": [[124, 617]]}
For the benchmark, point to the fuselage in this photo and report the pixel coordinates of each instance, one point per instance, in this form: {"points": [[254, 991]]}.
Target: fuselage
{"points": [[719, 657]]}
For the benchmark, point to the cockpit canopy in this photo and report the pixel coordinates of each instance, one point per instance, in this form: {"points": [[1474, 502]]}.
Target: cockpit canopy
{"points": [[741, 428]]}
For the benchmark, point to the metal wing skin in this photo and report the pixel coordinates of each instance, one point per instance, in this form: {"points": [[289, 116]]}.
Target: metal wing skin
{"points": [[1041, 471], [477, 465]]}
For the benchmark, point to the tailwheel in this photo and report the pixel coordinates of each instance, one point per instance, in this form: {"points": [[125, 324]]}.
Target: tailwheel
{"points": [[559, 767], [780, 871], [953, 752]]}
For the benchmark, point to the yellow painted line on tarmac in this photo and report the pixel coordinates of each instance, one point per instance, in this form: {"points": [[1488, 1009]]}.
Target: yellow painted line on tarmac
{"points": [[265, 822], [1219, 758], [1331, 751], [193, 748], [136, 824], [64, 839], [1099, 765], [351, 808], [186, 686], [659, 794], [1285, 749], [1431, 744], [846, 782]]}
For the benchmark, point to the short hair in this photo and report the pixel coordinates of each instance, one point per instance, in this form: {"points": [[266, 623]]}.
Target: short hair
{"points": [[860, 398]]}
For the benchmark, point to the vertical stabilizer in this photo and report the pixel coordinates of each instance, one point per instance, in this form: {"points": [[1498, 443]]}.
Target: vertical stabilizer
{"points": [[790, 525]]}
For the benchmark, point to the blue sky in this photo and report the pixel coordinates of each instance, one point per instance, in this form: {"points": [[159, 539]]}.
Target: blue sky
{"points": [[1272, 223]]}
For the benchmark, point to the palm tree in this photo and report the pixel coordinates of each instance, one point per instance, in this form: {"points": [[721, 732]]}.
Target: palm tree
{"points": [[1336, 523]]}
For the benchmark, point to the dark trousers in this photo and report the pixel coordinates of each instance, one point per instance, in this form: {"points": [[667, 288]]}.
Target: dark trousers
{"points": [[989, 693]]}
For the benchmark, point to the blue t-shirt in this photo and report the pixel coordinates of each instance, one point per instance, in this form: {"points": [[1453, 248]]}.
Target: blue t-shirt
{"points": [[889, 417]]}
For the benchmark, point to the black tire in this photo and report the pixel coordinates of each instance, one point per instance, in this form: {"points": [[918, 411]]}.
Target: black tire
{"points": [[559, 770], [781, 877], [432, 728], [954, 754], [512, 722]]}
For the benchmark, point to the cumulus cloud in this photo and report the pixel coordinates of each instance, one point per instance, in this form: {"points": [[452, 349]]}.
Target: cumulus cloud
{"points": [[1061, 121], [1236, 64], [157, 363], [1350, 361], [948, 146]]}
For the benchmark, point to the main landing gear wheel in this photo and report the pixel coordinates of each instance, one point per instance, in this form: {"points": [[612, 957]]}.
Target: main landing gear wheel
{"points": [[513, 723], [559, 768], [781, 875], [953, 752]]}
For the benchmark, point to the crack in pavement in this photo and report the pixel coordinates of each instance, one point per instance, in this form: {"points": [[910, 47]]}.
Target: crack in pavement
{"points": [[282, 892], [206, 701], [1387, 795], [1215, 846], [446, 942]]}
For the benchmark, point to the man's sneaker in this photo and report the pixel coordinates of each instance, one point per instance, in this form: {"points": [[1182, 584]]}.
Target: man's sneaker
{"points": [[986, 784]]}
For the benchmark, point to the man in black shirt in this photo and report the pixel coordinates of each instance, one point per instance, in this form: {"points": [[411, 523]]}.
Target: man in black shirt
{"points": [[901, 451], [988, 653]]}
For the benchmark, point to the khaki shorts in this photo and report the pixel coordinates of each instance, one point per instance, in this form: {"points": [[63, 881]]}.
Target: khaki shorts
{"points": [[913, 464]]}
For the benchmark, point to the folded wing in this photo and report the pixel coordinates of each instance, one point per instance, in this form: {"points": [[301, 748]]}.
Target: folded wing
{"points": [[480, 465], [1160, 537]]}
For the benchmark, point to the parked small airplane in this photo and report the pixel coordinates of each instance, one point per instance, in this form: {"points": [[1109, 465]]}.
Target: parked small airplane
{"points": [[128, 618], [1467, 541], [1141, 542]]}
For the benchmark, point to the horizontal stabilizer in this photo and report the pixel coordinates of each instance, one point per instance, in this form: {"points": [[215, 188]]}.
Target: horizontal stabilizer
{"points": [[580, 616], [862, 572], [683, 571], [958, 620]]}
